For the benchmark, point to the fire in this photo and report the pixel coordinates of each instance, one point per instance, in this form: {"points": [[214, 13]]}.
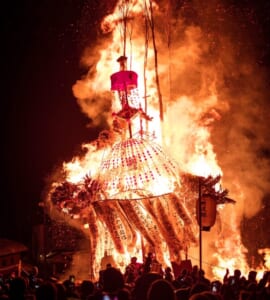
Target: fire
{"points": [[230, 244], [75, 169], [266, 253], [136, 176]]}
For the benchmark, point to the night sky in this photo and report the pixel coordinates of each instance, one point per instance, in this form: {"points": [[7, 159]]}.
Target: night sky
{"points": [[42, 124], [41, 121]]}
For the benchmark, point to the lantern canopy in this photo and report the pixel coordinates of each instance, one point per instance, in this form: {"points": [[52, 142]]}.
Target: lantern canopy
{"points": [[137, 168]]}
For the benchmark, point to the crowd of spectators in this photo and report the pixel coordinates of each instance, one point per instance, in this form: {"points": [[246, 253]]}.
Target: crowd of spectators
{"points": [[146, 281]]}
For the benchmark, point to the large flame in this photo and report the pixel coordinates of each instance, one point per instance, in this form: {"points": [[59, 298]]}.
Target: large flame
{"points": [[190, 92]]}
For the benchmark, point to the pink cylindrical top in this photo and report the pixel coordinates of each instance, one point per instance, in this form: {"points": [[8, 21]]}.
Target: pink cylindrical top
{"points": [[124, 80]]}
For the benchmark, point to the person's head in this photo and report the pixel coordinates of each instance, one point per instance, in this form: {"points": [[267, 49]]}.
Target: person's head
{"points": [[237, 273], [113, 280], [216, 286], [182, 293], [161, 289], [87, 288], [252, 276], [187, 281], [46, 291], [133, 259], [183, 273], [201, 273], [198, 288], [143, 283]]}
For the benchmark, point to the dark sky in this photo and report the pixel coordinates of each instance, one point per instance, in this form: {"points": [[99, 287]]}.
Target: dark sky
{"points": [[41, 122]]}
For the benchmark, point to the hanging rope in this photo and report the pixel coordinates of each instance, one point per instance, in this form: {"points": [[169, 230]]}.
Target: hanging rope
{"points": [[146, 42], [125, 30], [124, 10], [169, 40], [152, 27]]}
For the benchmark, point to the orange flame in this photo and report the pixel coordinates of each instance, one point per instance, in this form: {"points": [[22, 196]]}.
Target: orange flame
{"points": [[186, 130]]}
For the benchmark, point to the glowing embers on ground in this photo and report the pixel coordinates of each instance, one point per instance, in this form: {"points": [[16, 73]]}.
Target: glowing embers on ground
{"points": [[137, 168]]}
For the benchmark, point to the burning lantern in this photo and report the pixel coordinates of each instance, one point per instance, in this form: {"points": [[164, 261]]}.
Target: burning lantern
{"points": [[123, 80], [126, 102], [124, 86], [206, 216]]}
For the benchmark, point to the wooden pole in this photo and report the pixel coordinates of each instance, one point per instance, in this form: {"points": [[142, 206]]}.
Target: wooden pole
{"points": [[200, 223]]}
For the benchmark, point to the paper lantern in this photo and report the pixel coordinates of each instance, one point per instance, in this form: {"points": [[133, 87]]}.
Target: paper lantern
{"points": [[208, 212], [124, 80]]}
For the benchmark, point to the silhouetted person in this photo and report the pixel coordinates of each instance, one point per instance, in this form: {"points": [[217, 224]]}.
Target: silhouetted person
{"points": [[113, 280], [17, 289], [252, 278], [142, 285], [181, 277], [235, 279], [69, 284], [87, 288], [216, 286], [148, 263], [61, 291], [182, 293], [161, 289], [234, 283], [263, 287], [194, 273], [132, 271], [203, 279], [168, 274], [199, 287], [46, 291]]}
